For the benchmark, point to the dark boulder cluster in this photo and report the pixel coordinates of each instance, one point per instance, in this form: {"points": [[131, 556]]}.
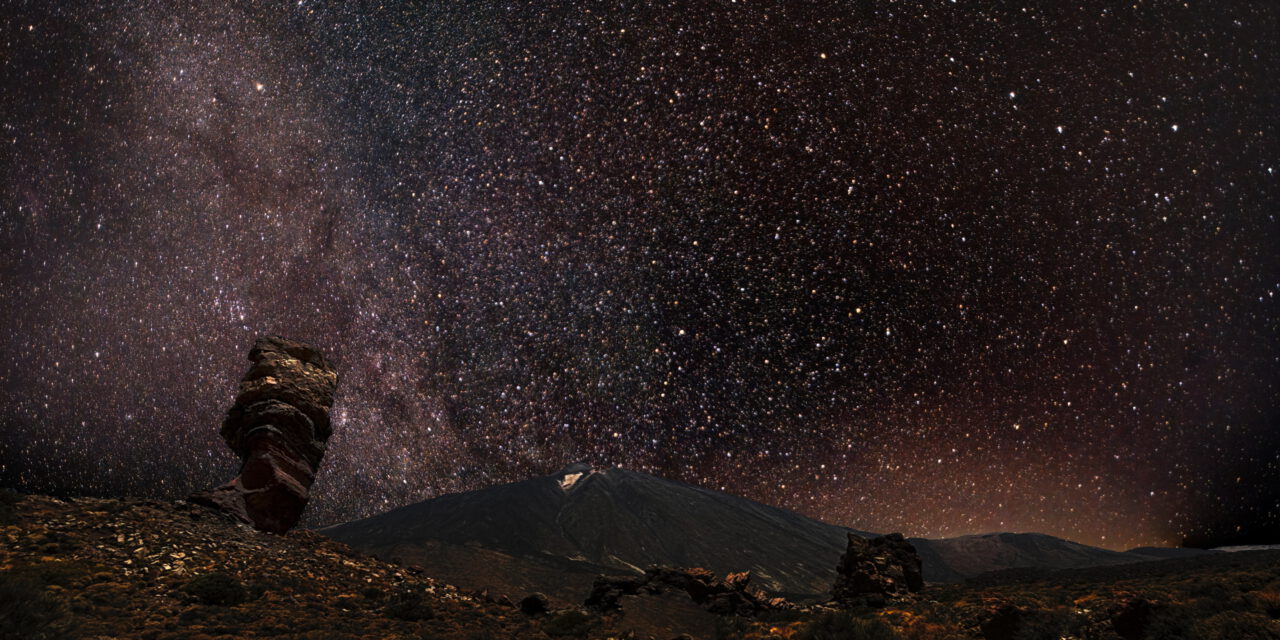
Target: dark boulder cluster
{"points": [[872, 572], [278, 427], [732, 596]]}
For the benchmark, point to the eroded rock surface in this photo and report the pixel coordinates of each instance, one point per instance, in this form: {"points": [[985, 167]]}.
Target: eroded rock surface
{"points": [[278, 426], [872, 571]]}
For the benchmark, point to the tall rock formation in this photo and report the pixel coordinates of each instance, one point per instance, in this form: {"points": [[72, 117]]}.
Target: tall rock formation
{"points": [[875, 570], [278, 426]]}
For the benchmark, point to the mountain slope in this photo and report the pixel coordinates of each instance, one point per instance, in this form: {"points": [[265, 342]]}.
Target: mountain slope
{"points": [[955, 559], [618, 520], [553, 533]]}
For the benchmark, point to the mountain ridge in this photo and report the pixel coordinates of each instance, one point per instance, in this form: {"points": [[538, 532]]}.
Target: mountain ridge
{"points": [[617, 519], [582, 521]]}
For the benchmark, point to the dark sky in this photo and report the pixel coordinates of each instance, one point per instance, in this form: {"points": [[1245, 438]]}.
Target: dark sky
{"points": [[937, 267]]}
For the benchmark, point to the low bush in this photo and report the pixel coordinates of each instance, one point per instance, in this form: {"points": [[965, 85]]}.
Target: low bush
{"points": [[9, 500], [408, 605], [28, 612], [69, 574], [845, 625], [1267, 602], [281, 583], [1237, 626], [217, 588], [568, 623], [732, 628]]}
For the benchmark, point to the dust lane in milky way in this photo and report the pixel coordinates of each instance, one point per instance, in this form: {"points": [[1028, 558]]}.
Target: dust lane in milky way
{"points": [[927, 267]]}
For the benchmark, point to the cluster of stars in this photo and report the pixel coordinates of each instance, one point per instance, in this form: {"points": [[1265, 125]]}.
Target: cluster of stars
{"points": [[919, 266]]}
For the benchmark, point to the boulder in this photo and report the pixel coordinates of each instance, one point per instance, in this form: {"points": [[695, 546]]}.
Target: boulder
{"points": [[871, 572], [535, 604], [278, 426]]}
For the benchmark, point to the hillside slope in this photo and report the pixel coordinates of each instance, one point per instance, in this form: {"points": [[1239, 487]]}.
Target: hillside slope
{"points": [[130, 568], [554, 533], [613, 520]]}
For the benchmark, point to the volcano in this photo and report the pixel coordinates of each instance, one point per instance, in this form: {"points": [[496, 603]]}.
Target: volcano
{"points": [[555, 533]]}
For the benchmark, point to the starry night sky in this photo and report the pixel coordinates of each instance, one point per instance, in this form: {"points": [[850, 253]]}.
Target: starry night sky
{"points": [[938, 267]]}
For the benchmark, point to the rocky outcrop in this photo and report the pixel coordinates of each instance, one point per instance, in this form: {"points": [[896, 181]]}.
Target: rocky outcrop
{"points": [[871, 572], [278, 426], [732, 596]]}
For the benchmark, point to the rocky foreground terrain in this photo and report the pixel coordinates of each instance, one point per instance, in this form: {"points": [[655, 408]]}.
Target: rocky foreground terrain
{"points": [[92, 568], [98, 568]]}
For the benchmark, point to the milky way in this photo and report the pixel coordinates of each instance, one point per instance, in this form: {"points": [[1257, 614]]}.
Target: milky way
{"points": [[928, 267]]}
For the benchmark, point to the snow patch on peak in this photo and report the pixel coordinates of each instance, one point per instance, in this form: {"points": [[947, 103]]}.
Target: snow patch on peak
{"points": [[570, 475], [569, 480]]}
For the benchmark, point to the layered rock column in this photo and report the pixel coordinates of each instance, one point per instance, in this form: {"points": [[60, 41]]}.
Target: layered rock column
{"points": [[876, 570], [278, 427]]}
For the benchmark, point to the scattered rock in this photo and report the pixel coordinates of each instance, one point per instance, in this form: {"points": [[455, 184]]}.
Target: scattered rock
{"points": [[494, 598], [147, 569], [871, 572], [408, 605], [731, 596], [738, 580], [606, 591], [278, 426]]}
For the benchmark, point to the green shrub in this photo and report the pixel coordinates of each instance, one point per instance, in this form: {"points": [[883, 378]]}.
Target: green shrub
{"points": [[217, 588], [845, 625]]}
